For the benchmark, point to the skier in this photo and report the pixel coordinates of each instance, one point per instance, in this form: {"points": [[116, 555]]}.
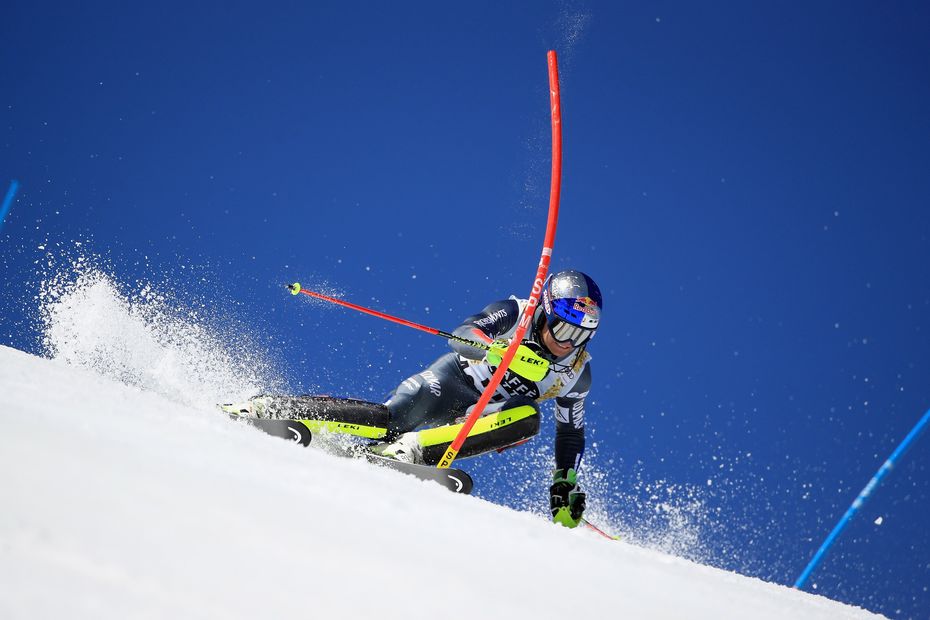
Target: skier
{"points": [[423, 414], [563, 323]]}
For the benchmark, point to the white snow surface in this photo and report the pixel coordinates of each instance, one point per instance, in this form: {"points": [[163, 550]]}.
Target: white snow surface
{"points": [[119, 502]]}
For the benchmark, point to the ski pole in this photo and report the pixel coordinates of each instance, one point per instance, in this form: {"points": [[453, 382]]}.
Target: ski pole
{"points": [[526, 364], [598, 530]]}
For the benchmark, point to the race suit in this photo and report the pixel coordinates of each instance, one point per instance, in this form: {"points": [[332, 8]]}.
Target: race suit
{"points": [[451, 385]]}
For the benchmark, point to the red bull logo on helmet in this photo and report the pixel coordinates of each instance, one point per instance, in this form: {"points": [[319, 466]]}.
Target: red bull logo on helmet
{"points": [[590, 313], [586, 305]]}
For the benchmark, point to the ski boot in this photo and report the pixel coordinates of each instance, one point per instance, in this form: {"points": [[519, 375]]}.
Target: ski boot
{"points": [[407, 449], [257, 407]]}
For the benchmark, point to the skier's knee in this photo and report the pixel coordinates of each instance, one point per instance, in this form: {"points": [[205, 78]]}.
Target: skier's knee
{"points": [[520, 400], [509, 427], [412, 401]]}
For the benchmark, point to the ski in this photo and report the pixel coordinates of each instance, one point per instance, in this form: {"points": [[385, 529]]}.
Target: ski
{"points": [[292, 430], [455, 480]]}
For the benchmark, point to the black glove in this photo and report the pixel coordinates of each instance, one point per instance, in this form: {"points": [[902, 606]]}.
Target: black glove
{"points": [[566, 501]]}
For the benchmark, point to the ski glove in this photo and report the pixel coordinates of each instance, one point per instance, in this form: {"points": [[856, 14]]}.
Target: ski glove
{"points": [[496, 353], [566, 501]]}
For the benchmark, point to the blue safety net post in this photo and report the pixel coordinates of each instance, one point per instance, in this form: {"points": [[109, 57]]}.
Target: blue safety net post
{"points": [[8, 201], [863, 496]]}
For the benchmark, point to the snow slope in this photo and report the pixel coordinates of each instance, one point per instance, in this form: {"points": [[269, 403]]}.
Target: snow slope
{"points": [[119, 502]]}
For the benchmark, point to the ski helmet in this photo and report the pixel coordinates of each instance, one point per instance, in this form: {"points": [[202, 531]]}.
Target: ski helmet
{"points": [[571, 305]]}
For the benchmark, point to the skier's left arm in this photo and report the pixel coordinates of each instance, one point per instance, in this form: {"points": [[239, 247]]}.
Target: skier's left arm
{"points": [[495, 320], [566, 500], [569, 423]]}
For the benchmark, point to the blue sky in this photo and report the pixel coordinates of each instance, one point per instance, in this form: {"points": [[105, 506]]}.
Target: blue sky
{"points": [[748, 184]]}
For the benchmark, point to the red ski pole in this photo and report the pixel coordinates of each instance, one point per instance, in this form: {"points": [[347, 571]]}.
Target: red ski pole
{"points": [[598, 530], [297, 289], [527, 362]]}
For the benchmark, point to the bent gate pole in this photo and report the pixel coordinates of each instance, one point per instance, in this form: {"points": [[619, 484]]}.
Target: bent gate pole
{"points": [[545, 258]]}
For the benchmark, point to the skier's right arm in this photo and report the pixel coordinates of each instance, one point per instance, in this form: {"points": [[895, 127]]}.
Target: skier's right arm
{"points": [[495, 321]]}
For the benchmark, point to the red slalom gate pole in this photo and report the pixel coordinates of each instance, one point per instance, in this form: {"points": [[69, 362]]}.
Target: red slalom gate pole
{"points": [[545, 258]]}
